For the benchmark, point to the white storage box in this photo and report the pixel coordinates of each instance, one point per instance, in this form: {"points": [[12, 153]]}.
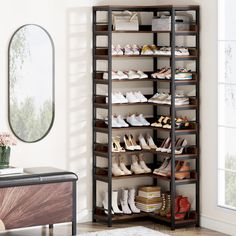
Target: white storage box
{"points": [[163, 23], [149, 192], [126, 21]]}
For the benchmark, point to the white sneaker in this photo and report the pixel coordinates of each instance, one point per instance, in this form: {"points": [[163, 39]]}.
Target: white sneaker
{"points": [[121, 121], [128, 50], [119, 50], [136, 49], [140, 96], [121, 97], [160, 99], [142, 75], [142, 120], [131, 97], [115, 123], [122, 75], [153, 97], [133, 75], [114, 75], [114, 99], [133, 120]]}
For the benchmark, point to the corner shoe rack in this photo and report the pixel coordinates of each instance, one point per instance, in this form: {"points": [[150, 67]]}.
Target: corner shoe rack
{"points": [[104, 151]]}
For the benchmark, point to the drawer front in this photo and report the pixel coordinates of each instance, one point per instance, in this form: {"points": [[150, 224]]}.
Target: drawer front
{"points": [[35, 205]]}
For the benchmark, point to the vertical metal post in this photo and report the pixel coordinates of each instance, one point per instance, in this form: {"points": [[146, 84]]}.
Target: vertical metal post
{"points": [[94, 115], [155, 60], [109, 116], [74, 208], [173, 186], [198, 118]]}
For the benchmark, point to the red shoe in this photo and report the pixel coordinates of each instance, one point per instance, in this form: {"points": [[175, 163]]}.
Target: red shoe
{"points": [[184, 208], [177, 200]]}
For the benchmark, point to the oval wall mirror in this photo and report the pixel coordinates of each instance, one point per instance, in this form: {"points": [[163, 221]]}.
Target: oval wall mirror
{"points": [[31, 83]]}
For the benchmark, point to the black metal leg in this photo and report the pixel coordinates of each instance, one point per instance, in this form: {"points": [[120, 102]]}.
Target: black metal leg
{"points": [[74, 210], [50, 226]]}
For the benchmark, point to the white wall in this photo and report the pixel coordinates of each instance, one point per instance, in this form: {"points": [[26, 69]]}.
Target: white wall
{"points": [[69, 143]]}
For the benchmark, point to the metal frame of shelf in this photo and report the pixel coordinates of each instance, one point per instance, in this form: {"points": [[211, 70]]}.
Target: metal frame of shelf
{"points": [[105, 29]]}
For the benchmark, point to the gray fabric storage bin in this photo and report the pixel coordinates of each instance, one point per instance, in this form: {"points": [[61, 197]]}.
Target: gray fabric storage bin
{"points": [[163, 23]]}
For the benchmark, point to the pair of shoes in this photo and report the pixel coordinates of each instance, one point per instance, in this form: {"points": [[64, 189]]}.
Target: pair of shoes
{"points": [[164, 73], [165, 208], [117, 50], [137, 120], [127, 202], [120, 75], [164, 98], [147, 144], [131, 50], [179, 51], [182, 208], [180, 144], [149, 50], [180, 74], [181, 167], [118, 166], [116, 147], [117, 97], [117, 121], [165, 122], [130, 143], [135, 97], [139, 166]]}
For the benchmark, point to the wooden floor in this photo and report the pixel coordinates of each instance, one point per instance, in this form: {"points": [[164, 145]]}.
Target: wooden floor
{"points": [[65, 230]]}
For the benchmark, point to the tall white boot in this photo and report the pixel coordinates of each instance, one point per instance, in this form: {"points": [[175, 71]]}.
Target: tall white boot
{"points": [[143, 164], [124, 202], [123, 166], [105, 203], [116, 171], [135, 167], [131, 201], [114, 204]]}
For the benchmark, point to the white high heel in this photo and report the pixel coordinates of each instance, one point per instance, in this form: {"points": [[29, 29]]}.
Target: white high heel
{"points": [[150, 142], [123, 166], [143, 164], [135, 167], [116, 171], [166, 145], [143, 143], [116, 147], [183, 145]]}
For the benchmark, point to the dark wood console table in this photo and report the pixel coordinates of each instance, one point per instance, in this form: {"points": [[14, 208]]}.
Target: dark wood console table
{"points": [[40, 196]]}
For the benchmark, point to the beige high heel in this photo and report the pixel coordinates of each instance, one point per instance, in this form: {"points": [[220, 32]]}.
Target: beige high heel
{"points": [[116, 147], [133, 143], [128, 144]]}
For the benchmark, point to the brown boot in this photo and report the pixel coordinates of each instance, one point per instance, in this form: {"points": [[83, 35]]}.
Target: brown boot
{"points": [[163, 206], [167, 206]]}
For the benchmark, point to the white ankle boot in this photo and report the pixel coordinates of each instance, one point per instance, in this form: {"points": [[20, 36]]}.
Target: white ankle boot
{"points": [[143, 164], [131, 201], [123, 167], [135, 167], [124, 202], [114, 204], [105, 204], [116, 171]]}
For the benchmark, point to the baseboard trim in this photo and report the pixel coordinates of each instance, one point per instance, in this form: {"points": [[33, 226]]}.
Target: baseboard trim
{"points": [[217, 225], [84, 216]]}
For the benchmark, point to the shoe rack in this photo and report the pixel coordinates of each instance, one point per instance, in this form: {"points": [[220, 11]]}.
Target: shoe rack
{"points": [[104, 150]]}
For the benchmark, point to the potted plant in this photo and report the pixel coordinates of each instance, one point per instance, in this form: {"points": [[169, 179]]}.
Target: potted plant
{"points": [[6, 141]]}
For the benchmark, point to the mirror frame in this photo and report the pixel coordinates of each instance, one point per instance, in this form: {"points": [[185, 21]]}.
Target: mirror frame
{"points": [[53, 82]]}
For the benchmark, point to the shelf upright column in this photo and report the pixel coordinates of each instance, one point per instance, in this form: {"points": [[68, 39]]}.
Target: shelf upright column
{"points": [[198, 118], [155, 66], [109, 116], [94, 114], [172, 88]]}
